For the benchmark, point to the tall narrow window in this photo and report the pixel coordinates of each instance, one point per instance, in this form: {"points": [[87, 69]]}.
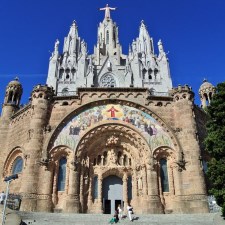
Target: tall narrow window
{"points": [[62, 174], [164, 175], [10, 97], [114, 36], [129, 187], [205, 166], [107, 37], [95, 187], [17, 165]]}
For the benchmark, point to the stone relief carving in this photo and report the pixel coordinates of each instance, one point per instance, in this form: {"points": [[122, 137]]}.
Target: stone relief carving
{"points": [[107, 81], [140, 183], [112, 157], [113, 140], [30, 134]]}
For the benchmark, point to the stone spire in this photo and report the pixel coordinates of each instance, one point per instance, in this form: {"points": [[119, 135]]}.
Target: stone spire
{"points": [[145, 42], [62, 75], [149, 70], [70, 42], [108, 40]]}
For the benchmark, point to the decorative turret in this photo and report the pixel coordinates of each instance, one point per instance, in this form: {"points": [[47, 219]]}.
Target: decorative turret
{"points": [[206, 92], [181, 93], [13, 95], [14, 92], [41, 97], [42, 92]]}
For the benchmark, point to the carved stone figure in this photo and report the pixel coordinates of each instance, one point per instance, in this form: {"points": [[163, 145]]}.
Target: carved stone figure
{"points": [[107, 11], [140, 184], [112, 157]]}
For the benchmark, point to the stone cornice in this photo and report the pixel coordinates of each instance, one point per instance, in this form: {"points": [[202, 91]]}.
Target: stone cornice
{"points": [[25, 108]]}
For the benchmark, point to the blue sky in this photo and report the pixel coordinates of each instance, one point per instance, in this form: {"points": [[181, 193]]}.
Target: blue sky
{"points": [[192, 31]]}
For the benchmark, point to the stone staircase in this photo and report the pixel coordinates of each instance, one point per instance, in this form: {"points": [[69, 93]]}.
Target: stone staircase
{"points": [[35, 218]]}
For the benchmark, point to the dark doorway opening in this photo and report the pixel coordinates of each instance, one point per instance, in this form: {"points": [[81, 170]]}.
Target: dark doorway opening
{"points": [[118, 202], [107, 208]]}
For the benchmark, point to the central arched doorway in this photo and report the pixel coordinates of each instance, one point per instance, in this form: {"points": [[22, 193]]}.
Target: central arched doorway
{"points": [[112, 193]]}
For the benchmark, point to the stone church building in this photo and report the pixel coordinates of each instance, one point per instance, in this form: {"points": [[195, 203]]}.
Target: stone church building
{"points": [[106, 129]]}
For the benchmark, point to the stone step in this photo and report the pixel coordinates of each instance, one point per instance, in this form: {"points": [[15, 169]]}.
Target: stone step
{"points": [[35, 218]]}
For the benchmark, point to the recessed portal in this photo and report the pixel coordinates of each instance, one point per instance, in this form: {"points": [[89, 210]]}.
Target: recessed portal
{"points": [[112, 193]]}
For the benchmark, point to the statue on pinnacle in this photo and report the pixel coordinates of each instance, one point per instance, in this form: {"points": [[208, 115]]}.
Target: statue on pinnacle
{"points": [[107, 11]]}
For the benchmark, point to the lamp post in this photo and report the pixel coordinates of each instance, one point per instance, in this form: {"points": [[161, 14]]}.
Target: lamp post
{"points": [[8, 181]]}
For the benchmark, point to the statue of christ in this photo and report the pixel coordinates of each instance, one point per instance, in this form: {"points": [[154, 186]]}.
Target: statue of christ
{"points": [[107, 11]]}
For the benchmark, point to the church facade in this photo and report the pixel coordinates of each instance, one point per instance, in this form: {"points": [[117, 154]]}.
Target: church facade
{"points": [[106, 129]]}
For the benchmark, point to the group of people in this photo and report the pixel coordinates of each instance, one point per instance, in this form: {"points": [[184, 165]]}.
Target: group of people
{"points": [[118, 215]]}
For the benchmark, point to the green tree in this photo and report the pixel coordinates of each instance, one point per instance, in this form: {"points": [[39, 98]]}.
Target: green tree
{"points": [[215, 145]]}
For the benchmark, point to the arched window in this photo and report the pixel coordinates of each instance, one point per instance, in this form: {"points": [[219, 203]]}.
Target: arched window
{"points": [[107, 37], [10, 97], [17, 165], [62, 174], [105, 158], [120, 158], [114, 36], [61, 71], [125, 160], [99, 160], [95, 186], [205, 166], [65, 91], [144, 71], [164, 175]]}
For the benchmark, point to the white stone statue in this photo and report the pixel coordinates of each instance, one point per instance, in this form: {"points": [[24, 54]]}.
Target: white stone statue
{"points": [[107, 11], [112, 157], [109, 65], [83, 47], [56, 45], [140, 184]]}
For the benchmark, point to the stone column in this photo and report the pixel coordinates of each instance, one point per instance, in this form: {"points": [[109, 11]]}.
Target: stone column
{"points": [[144, 181], [149, 178], [73, 198], [81, 191], [90, 195], [154, 204], [55, 181], [100, 179], [44, 203], [134, 185], [125, 191]]}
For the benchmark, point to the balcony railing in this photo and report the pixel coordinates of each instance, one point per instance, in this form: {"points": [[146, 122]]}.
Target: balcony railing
{"points": [[152, 93], [67, 93]]}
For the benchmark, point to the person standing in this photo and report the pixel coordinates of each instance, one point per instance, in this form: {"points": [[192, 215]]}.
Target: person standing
{"points": [[130, 212], [120, 212], [2, 198]]}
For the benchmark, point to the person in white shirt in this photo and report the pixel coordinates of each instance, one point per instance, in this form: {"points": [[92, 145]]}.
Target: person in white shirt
{"points": [[2, 197], [130, 212], [120, 212]]}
